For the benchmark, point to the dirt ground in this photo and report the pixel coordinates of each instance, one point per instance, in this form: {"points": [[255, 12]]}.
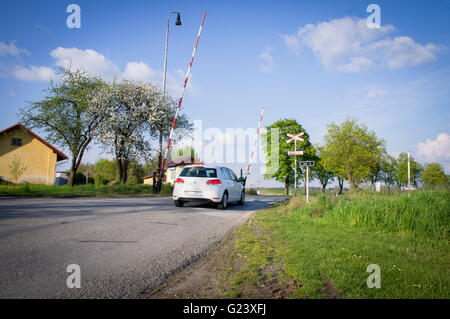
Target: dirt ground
{"points": [[212, 275], [209, 277]]}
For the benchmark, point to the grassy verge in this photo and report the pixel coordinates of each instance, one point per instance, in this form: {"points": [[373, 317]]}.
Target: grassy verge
{"points": [[81, 190], [322, 250], [281, 192]]}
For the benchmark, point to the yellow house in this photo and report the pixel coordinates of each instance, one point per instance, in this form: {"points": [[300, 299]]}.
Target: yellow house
{"points": [[35, 158]]}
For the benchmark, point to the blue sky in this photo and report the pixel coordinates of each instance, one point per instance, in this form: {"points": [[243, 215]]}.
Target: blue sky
{"points": [[315, 61]]}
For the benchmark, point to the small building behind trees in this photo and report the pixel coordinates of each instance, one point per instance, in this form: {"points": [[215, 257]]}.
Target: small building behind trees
{"points": [[27, 158], [174, 169]]}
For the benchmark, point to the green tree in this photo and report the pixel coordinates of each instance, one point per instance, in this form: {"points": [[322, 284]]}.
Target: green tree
{"points": [[341, 184], [351, 151], [433, 175], [284, 169], [401, 170], [388, 167], [376, 169], [81, 179], [131, 109], [137, 171], [16, 168], [66, 114], [161, 126], [105, 171], [184, 151], [319, 172], [88, 170]]}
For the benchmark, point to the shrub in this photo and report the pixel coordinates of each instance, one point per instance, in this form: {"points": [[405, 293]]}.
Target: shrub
{"points": [[79, 179]]}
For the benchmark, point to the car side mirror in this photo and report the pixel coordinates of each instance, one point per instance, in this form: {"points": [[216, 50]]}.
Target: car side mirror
{"points": [[241, 180]]}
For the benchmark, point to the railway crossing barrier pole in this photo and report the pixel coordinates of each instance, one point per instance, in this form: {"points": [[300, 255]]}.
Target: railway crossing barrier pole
{"points": [[254, 144], [161, 170]]}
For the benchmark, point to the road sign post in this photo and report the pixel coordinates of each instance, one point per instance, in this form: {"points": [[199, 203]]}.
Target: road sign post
{"points": [[307, 184], [295, 165], [295, 153], [307, 164]]}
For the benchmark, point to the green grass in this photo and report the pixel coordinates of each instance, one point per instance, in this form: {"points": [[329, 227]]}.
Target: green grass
{"points": [[424, 213], [81, 190], [334, 240], [280, 191]]}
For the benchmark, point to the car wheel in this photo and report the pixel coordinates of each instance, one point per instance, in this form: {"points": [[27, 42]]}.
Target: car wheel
{"points": [[224, 203], [242, 200], [178, 203]]}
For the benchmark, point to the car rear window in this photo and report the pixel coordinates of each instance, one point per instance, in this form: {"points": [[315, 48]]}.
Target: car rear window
{"points": [[198, 172]]}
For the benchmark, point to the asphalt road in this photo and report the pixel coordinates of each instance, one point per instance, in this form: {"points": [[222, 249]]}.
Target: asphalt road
{"points": [[124, 246]]}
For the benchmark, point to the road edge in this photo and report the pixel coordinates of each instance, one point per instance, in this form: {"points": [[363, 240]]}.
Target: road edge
{"points": [[182, 273]]}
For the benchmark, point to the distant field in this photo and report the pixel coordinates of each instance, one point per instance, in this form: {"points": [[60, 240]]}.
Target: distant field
{"points": [[81, 190], [322, 250], [280, 191]]}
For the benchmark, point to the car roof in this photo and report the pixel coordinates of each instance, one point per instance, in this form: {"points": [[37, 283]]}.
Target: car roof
{"points": [[201, 165], [205, 166]]}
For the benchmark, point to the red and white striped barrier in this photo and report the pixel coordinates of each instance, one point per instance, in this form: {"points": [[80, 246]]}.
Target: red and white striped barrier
{"points": [[182, 94], [256, 139]]}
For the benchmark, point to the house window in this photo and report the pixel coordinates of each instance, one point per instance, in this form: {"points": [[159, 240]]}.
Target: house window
{"points": [[16, 142]]}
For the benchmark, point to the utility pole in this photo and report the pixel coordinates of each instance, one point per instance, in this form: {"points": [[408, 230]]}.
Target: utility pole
{"points": [[409, 173], [161, 170], [157, 186]]}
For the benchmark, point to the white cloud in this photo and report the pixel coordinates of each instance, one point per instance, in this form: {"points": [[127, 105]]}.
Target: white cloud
{"points": [[403, 51], [437, 150], [348, 45], [140, 71], [11, 49], [174, 81], [89, 60], [72, 58], [94, 62], [267, 64], [33, 73]]}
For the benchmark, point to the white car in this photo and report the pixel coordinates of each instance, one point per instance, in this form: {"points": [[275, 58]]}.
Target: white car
{"points": [[208, 184]]}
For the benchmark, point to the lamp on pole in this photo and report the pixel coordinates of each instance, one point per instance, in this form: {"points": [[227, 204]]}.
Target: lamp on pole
{"points": [[178, 22], [157, 187]]}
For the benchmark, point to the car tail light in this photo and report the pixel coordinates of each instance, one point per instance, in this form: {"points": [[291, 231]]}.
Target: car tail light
{"points": [[179, 180], [213, 182]]}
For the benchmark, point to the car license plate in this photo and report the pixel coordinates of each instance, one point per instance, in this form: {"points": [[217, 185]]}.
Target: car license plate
{"points": [[193, 193]]}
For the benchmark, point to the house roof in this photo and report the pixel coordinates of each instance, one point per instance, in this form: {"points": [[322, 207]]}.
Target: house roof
{"points": [[182, 161], [61, 155]]}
